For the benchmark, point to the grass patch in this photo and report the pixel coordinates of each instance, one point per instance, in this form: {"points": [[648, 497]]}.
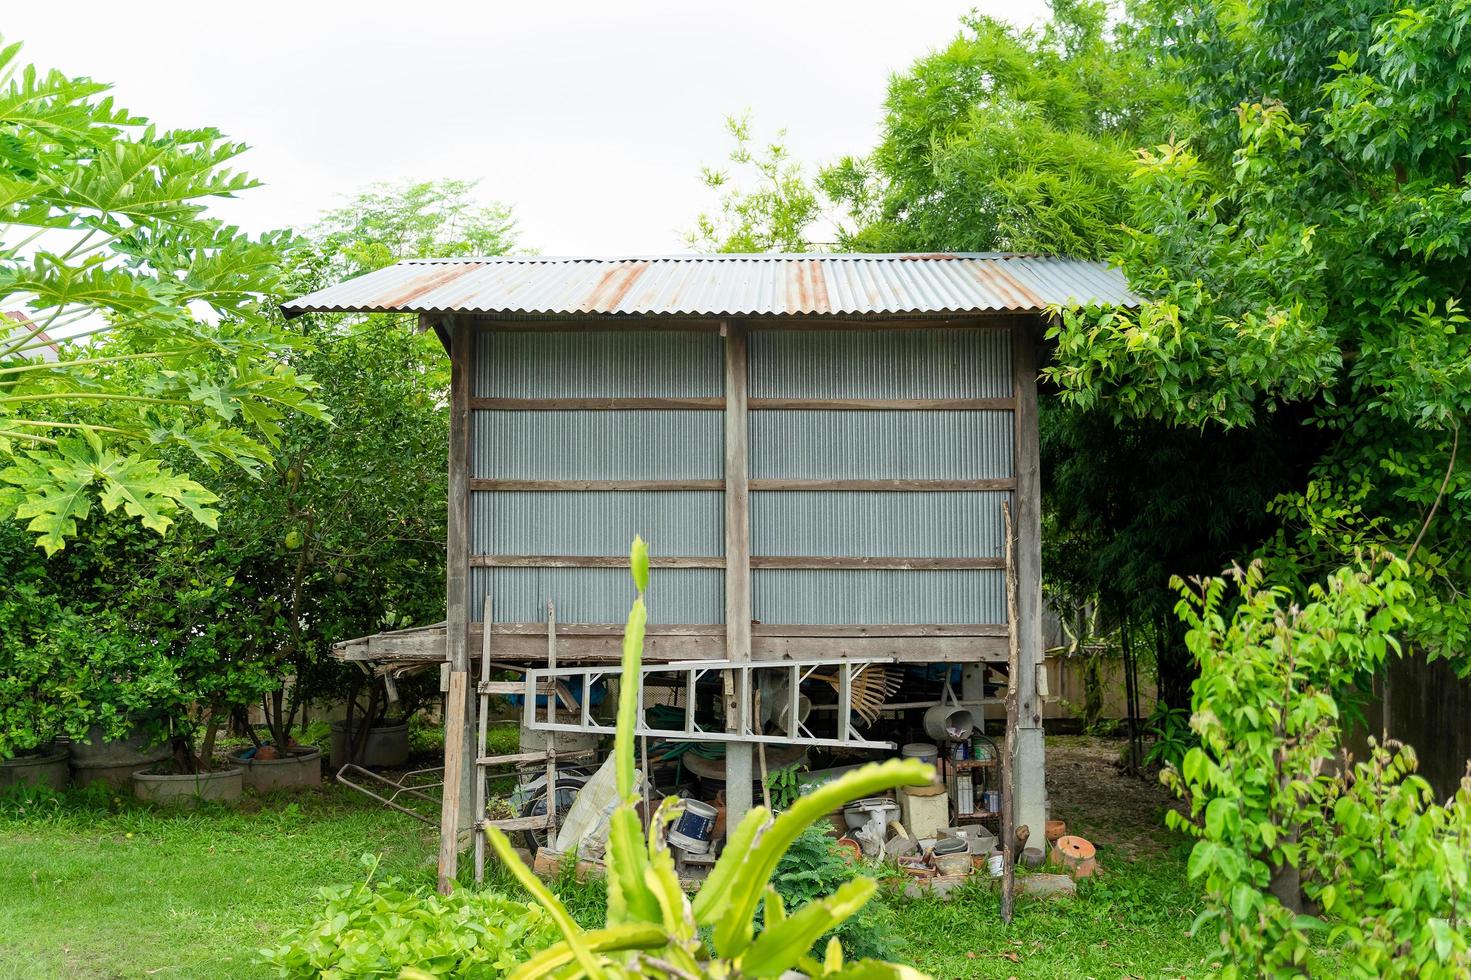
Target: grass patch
{"points": [[1130, 921], [95, 888]]}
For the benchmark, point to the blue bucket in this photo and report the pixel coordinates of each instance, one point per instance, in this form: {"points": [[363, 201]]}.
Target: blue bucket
{"points": [[692, 831]]}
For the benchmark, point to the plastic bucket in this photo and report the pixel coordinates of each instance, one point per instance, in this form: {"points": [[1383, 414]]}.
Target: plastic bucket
{"points": [[923, 751], [692, 831]]}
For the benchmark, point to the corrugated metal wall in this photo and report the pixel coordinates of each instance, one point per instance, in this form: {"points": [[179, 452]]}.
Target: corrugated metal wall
{"points": [[784, 444], [598, 595], [842, 445], [881, 364], [597, 445], [600, 364], [880, 524], [843, 596], [577, 445], [674, 522], [872, 445]]}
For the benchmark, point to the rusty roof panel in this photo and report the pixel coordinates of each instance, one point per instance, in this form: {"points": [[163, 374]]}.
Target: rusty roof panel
{"points": [[732, 285]]}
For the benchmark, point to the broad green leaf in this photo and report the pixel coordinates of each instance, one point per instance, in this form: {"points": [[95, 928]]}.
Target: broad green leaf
{"points": [[782, 944], [733, 931], [613, 939], [571, 931]]}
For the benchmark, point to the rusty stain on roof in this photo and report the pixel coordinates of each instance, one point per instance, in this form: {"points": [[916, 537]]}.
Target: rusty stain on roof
{"points": [[612, 286], [424, 285], [728, 285]]}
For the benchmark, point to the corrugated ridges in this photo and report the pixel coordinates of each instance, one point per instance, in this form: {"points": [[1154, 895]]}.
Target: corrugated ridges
{"points": [[733, 285]]}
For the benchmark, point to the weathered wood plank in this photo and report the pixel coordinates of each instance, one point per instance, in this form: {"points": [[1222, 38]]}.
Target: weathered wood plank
{"points": [[900, 485], [597, 485], [882, 404], [737, 559], [596, 404], [588, 561], [897, 564], [456, 701]]}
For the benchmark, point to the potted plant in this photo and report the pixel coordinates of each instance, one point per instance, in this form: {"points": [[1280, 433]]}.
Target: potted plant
{"points": [[41, 696]]}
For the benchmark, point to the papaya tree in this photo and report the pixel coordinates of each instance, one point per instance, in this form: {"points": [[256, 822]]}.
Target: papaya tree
{"points": [[104, 233]]}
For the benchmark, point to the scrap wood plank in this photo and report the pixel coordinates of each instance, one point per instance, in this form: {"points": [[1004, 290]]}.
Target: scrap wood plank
{"points": [[454, 759]]}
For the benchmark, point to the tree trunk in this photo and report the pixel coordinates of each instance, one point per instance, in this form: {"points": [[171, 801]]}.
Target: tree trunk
{"points": [[1176, 667]]}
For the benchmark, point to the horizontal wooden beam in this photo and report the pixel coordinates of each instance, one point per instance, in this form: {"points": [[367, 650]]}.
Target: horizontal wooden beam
{"points": [[600, 629], [895, 564], [901, 485], [664, 648], [757, 629], [598, 485], [587, 561], [882, 404], [757, 561], [596, 404], [883, 630]]}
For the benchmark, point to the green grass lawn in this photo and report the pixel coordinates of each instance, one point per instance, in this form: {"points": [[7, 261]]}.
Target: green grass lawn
{"points": [[86, 892], [92, 889]]}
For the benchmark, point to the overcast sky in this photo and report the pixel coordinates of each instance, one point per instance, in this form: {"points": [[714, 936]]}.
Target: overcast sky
{"points": [[590, 119]]}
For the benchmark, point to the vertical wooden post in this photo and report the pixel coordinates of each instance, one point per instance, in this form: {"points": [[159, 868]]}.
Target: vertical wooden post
{"points": [[482, 723], [1008, 754], [1029, 783], [454, 766], [458, 778], [738, 773]]}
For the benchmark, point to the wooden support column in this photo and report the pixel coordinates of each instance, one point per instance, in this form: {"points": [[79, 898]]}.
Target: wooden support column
{"points": [[1029, 782], [457, 812], [738, 774]]}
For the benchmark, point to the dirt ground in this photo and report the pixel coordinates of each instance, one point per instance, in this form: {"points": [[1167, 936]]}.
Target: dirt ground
{"points": [[1087, 789]]}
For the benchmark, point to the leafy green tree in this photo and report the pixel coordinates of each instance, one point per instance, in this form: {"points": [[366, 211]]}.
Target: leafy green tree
{"points": [[410, 220], [1305, 252], [344, 533], [1011, 139], [103, 231], [769, 209]]}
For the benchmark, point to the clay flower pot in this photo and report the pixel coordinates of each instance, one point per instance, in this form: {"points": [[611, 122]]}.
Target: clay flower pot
{"points": [[1076, 855]]}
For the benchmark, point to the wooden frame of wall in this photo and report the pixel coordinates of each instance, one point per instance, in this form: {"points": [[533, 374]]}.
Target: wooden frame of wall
{"points": [[526, 642]]}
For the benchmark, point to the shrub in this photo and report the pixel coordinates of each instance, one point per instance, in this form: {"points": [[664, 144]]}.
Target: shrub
{"points": [[375, 931], [813, 868], [1278, 808]]}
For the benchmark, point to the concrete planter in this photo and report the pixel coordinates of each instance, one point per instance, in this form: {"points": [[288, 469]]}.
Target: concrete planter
{"points": [[189, 788], [301, 769], [46, 768], [98, 760], [385, 747]]}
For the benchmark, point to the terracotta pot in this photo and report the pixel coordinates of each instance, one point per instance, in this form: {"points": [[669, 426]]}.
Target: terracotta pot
{"points": [[1054, 830], [1075, 854], [46, 767]]}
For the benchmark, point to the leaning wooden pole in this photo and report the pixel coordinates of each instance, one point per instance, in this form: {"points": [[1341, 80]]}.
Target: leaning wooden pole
{"points": [[1008, 754]]}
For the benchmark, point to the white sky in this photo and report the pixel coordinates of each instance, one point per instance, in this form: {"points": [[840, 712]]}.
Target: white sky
{"points": [[591, 119]]}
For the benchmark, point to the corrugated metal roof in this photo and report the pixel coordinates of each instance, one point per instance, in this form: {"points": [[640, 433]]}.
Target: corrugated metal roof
{"points": [[734, 285]]}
